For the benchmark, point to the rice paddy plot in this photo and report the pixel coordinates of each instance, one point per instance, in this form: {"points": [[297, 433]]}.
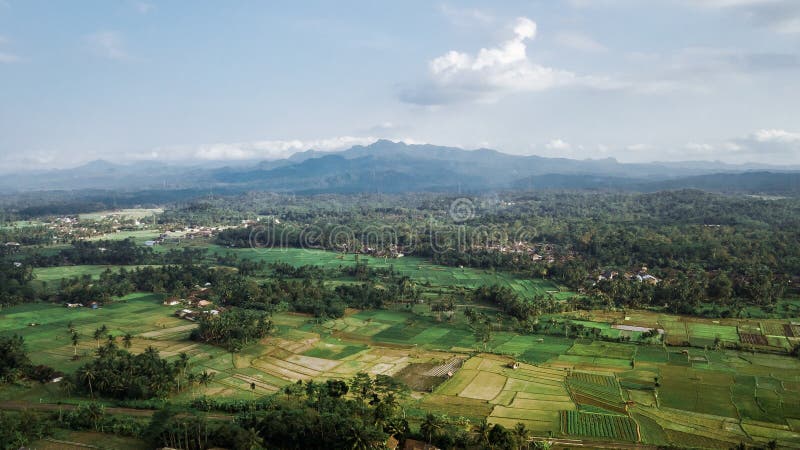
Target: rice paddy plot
{"points": [[456, 406], [603, 349], [326, 349], [706, 392], [588, 362], [485, 386], [51, 274], [604, 426], [651, 353], [712, 331]]}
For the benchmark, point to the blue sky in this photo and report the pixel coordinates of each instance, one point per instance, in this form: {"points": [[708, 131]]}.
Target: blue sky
{"points": [[180, 80]]}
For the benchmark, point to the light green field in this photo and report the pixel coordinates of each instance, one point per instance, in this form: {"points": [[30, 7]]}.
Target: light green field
{"points": [[139, 236], [419, 269], [133, 213], [51, 274], [730, 398]]}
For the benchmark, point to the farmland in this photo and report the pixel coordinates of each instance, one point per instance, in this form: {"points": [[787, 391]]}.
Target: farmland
{"points": [[616, 375], [421, 270], [569, 388]]}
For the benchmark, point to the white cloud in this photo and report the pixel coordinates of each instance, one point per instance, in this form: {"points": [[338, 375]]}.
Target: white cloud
{"points": [[776, 136], [108, 44], [766, 146], [639, 147], [781, 16], [8, 58], [579, 41], [257, 150], [143, 7], [699, 148], [466, 16], [557, 144], [495, 72]]}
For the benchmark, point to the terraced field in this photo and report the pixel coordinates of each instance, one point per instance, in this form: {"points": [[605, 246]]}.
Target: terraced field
{"points": [[581, 389]]}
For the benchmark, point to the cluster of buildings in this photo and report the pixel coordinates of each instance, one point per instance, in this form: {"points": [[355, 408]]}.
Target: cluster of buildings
{"points": [[537, 252], [393, 251], [92, 305], [639, 275], [197, 300], [175, 235]]}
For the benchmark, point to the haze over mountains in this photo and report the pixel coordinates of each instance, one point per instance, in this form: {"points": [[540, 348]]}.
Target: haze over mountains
{"points": [[387, 166]]}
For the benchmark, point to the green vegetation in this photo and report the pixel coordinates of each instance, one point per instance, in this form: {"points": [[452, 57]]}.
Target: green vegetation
{"points": [[218, 341]]}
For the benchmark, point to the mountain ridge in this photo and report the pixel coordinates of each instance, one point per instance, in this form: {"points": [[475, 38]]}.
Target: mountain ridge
{"points": [[398, 167]]}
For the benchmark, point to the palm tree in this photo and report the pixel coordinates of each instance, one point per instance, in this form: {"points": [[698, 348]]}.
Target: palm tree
{"points": [[254, 441], [87, 375], [522, 433], [191, 379], [98, 334], [127, 340], [75, 344], [482, 431], [430, 427], [66, 386], [181, 363], [205, 378]]}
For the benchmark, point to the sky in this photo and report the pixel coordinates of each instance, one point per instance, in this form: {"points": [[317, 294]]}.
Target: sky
{"points": [[655, 80]]}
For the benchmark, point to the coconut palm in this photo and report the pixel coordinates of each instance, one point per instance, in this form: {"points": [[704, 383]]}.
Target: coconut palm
{"points": [[98, 334], [66, 386], [430, 426], [522, 433], [87, 375], [75, 344], [482, 433], [127, 340]]}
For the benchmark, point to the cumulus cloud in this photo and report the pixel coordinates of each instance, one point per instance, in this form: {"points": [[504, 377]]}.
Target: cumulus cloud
{"points": [[776, 136], [768, 146], [108, 44], [557, 144], [494, 72]]}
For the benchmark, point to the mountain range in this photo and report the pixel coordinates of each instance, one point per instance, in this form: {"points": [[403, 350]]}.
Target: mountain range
{"points": [[387, 166]]}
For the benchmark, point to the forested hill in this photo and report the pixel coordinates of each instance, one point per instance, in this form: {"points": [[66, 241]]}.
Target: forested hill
{"points": [[387, 166]]}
